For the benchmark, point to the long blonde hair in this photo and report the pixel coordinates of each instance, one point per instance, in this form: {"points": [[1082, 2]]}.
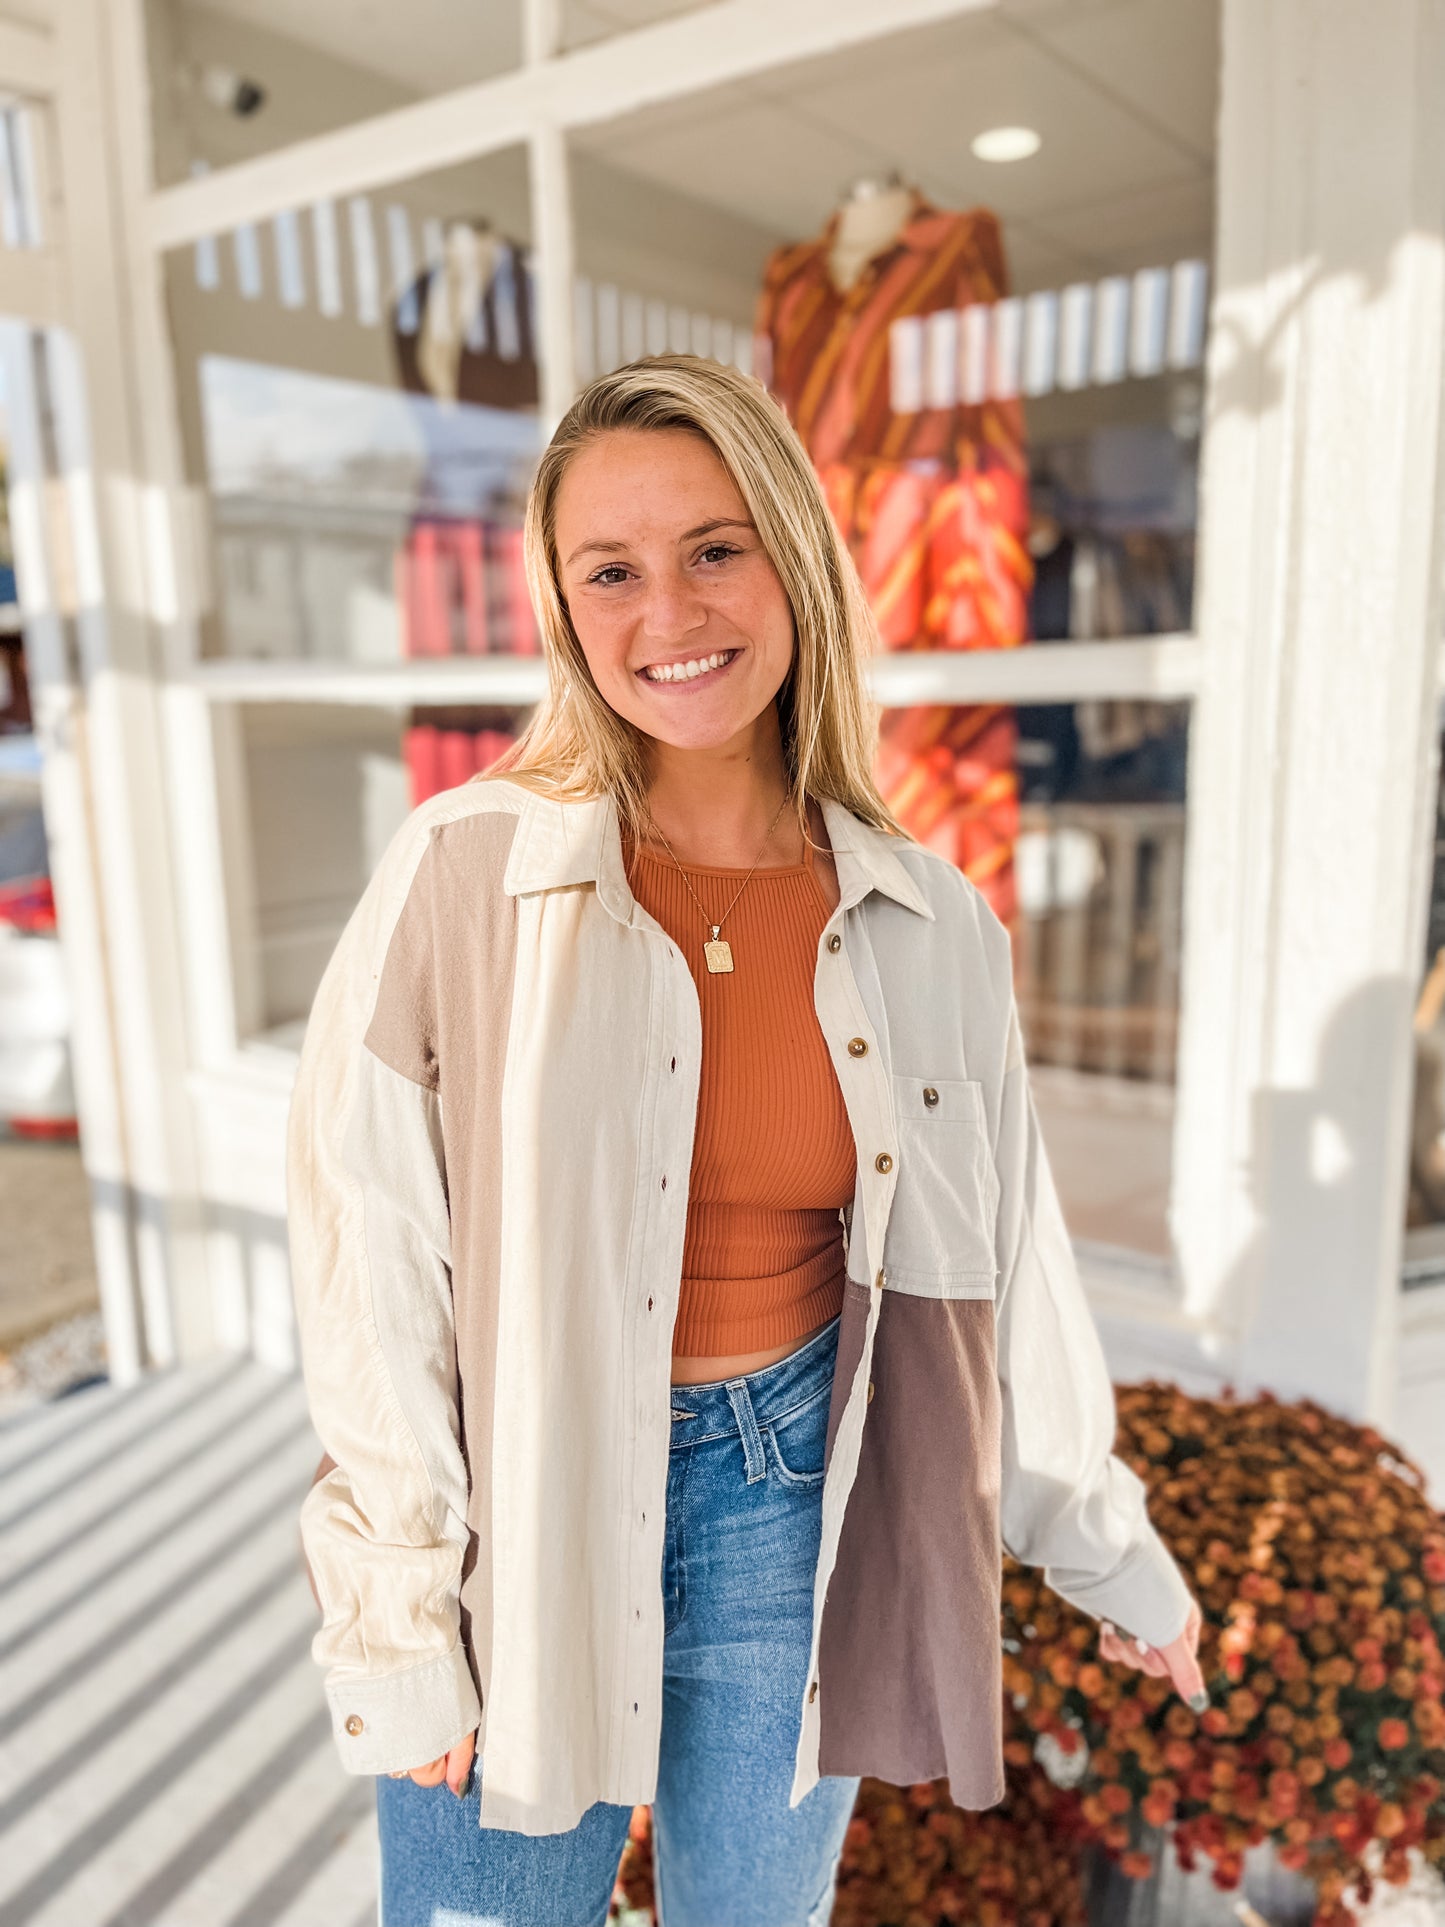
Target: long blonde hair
{"points": [[576, 745]]}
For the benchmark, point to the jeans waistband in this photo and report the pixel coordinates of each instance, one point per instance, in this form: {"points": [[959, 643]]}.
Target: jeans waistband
{"points": [[723, 1407]]}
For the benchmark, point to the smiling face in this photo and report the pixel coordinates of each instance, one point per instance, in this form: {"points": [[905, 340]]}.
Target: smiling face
{"points": [[681, 615]]}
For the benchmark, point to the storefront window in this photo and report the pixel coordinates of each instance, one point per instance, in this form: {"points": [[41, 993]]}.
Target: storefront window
{"points": [[971, 260], [359, 390]]}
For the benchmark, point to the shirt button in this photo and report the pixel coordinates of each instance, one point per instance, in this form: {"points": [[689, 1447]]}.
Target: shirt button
{"points": [[812, 1692], [930, 1096], [835, 942], [355, 1724], [870, 1391], [883, 1163], [857, 1046], [878, 1281]]}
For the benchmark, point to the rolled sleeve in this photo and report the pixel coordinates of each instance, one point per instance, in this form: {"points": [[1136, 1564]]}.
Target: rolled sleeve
{"points": [[1068, 1504], [384, 1528]]}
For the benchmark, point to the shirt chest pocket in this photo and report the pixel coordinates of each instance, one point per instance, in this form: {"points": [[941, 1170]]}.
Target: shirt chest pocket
{"points": [[940, 1238]]}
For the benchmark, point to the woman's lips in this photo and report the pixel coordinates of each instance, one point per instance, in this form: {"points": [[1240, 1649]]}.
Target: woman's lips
{"points": [[703, 678]]}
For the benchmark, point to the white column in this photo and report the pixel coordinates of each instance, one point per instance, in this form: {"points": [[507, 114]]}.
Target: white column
{"points": [[115, 419], [553, 251], [553, 254], [1313, 750], [38, 524]]}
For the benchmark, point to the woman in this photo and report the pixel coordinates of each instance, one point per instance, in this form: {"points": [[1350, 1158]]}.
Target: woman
{"points": [[684, 1300]]}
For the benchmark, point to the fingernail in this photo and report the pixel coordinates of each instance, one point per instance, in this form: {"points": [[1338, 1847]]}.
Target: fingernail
{"points": [[1106, 1627], [1142, 1644], [1198, 1702]]}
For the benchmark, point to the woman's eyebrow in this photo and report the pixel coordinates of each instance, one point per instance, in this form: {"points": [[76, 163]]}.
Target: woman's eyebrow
{"points": [[688, 535], [719, 522]]}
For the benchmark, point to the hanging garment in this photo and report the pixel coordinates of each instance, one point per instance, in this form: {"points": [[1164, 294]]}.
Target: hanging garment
{"points": [[933, 504], [463, 329]]}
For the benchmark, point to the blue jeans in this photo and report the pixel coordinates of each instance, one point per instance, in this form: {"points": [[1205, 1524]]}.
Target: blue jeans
{"points": [[744, 1508]]}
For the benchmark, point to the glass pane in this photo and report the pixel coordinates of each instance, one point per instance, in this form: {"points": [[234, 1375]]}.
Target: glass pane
{"points": [[358, 388], [241, 78], [995, 362], [1082, 853], [349, 774]]}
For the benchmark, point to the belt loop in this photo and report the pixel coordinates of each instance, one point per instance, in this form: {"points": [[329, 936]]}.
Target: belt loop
{"points": [[748, 1425]]}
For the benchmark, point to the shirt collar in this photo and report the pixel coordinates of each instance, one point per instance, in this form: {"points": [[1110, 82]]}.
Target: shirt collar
{"points": [[561, 844]]}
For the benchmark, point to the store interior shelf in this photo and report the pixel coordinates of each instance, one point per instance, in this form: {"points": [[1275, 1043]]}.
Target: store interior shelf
{"points": [[519, 680], [1165, 668]]}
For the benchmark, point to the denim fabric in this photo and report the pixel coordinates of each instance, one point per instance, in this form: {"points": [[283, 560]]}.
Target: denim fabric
{"points": [[744, 1492]]}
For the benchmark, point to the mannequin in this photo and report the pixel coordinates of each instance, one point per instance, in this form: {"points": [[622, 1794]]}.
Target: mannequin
{"points": [[453, 298], [933, 504], [870, 219], [462, 333], [474, 339]]}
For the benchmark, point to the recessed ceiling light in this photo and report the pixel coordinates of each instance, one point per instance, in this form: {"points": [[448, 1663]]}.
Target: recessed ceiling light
{"points": [[1006, 144]]}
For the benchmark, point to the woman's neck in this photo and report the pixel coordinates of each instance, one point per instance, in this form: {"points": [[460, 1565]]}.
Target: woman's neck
{"points": [[721, 811]]}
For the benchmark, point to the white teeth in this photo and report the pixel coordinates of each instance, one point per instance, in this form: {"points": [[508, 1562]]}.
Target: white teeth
{"points": [[685, 671]]}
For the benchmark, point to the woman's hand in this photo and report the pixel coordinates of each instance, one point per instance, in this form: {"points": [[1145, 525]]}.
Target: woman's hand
{"points": [[1178, 1661], [454, 1767]]}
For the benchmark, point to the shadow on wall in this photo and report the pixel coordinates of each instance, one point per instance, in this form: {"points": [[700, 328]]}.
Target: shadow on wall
{"points": [[1303, 1295]]}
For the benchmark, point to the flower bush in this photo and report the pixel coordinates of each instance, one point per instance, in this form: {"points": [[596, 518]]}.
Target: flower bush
{"points": [[1320, 1568]]}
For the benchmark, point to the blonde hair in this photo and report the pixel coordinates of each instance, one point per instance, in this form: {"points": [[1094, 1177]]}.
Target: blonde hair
{"points": [[576, 745]]}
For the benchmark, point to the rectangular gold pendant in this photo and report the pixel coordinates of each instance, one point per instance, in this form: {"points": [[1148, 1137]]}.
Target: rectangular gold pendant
{"points": [[719, 955]]}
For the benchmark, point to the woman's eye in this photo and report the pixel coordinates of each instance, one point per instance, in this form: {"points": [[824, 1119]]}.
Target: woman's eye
{"points": [[614, 572], [717, 552]]}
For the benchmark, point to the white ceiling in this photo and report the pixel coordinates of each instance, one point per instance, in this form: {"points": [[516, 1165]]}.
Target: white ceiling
{"points": [[1122, 91]]}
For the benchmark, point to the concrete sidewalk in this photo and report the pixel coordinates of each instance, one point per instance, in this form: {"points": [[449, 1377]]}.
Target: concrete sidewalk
{"points": [[165, 1755]]}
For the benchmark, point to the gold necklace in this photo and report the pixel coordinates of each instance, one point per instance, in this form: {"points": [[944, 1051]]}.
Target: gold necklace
{"points": [[718, 952]]}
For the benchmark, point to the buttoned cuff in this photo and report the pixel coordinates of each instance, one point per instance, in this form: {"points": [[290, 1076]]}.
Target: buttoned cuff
{"points": [[399, 1721], [1146, 1596]]}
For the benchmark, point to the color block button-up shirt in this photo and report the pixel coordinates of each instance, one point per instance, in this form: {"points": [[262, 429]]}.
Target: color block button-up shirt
{"points": [[487, 1170]]}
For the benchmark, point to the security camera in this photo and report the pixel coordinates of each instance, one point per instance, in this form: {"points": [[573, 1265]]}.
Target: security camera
{"points": [[223, 87]]}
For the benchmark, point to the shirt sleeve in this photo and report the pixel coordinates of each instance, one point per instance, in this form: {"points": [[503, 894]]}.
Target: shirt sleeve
{"points": [[385, 1528], [1068, 1504]]}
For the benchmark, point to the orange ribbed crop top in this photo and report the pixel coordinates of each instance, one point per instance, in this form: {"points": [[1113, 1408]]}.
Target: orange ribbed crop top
{"points": [[773, 1156]]}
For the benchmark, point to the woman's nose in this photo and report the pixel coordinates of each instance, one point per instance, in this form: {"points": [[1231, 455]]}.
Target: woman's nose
{"points": [[671, 610]]}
